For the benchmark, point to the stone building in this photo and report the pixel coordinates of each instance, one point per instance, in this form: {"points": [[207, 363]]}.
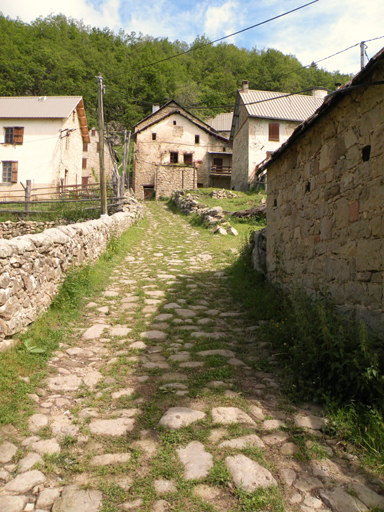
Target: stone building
{"points": [[91, 161], [41, 140], [174, 149], [262, 121], [325, 214]]}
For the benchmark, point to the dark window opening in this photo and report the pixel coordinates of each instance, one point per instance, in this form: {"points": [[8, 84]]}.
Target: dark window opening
{"points": [[85, 147], [366, 153], [174, 157], [188, 159], [153, 136], [308, 186], [93, 133], [275, 202], [174, 122], [274, 132], [200, 185], [84, 166], [97, 147], [224, 150], [197, 139]]}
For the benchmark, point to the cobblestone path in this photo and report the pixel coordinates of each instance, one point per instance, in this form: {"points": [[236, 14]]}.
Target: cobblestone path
{"points": [[155, 405]]}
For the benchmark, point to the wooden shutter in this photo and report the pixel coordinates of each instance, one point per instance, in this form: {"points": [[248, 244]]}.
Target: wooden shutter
{"points": [[84, 163], [14, 172], [18, 135], [274, 131], [98, 147], [85, 147]]}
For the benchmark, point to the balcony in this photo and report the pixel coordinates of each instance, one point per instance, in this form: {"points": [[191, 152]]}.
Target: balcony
{"points": [[221, 170]]}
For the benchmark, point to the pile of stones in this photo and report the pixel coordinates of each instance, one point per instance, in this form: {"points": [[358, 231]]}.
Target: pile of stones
{"points": [[222, 194], [213, 217]]}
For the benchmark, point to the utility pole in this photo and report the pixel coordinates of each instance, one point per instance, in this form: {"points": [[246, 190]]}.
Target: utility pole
{"points": [[100, 112], [362, 54]]}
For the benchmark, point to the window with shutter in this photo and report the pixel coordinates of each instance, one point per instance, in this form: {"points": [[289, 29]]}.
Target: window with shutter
{"points": [[274, 132], [174, 157], [98, 147], [85, 147], [188, 158], [9, 174], [84, 163], [15, 166]]}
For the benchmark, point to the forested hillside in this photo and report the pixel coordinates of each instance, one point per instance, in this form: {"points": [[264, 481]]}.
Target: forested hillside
{"points": [[61, 56]]}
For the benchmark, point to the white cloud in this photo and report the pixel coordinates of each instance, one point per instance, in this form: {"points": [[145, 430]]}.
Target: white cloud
{"points": [[222, 20]]}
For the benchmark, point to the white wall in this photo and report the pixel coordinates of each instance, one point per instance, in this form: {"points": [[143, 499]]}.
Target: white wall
{"points": [[43, 157]]}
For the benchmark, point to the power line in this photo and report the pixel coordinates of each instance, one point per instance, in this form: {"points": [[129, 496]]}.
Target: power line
{"points": [[220, 39]]}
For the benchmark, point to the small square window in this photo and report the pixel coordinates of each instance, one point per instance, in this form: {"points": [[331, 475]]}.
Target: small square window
{"points": [[197, 139], [188, 159], [174, 123], [153, 136], [93, 132], [174, 157], [224, 149]]}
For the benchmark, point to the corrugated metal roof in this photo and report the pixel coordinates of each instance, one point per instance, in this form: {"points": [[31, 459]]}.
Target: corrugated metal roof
{"points": [[222, 122], [35, 107], [296, 107]]}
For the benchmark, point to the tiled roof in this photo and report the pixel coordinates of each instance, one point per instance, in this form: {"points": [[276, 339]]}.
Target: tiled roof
{"points": [[35, 107], [294, 107]]}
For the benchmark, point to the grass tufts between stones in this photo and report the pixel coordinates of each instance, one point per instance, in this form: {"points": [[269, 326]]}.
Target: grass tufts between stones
{"points": [[21, 370]]}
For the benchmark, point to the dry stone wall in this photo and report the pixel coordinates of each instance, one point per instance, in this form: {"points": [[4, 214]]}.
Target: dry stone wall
{"points": [[33, 266], [9, 229], [325, 212], [169, 178]]}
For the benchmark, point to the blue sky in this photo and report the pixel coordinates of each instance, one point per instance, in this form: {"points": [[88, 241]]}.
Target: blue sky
{"points": [[310, 34]]}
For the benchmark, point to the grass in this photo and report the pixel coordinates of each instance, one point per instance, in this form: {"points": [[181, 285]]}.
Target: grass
{"points": [[21, 370]]}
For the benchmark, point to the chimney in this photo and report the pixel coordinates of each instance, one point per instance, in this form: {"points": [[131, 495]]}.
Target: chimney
{"points": [[155, 108], [319, 92], [245, 85]]}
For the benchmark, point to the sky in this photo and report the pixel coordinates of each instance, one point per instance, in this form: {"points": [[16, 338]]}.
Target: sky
{"points": [[312, 33]]}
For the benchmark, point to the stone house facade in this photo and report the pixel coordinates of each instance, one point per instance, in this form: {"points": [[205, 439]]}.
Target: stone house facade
{"points": [[172, 139], [262, 121], [325, 205], [41, 139], [90, 159]]}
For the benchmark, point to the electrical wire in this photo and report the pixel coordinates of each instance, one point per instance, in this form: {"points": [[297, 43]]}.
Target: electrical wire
{"points": [[218, 40]]}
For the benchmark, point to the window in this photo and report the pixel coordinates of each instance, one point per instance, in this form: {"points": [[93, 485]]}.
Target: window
{"points": [[153, 136], [85, 163], [10, 172], [188, 158], [224, 150], [14, 135], [93, 132], [174, 123], [74, 116], [97, 147], [274, 132], [174, 157], [85, 147], [197, 139]]}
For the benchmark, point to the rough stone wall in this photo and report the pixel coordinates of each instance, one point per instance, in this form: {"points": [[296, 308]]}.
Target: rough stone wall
{"points": [[239, 177], [171, 178], [10, 229], [93, 159], [33, 266], [325, 212]]}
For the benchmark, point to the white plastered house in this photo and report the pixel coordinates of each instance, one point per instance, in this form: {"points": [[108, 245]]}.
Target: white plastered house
{"points": [[41, 139], [262, 121]]}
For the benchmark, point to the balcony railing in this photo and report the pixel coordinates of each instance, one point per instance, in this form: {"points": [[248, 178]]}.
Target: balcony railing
{"points": [[221, 170]]}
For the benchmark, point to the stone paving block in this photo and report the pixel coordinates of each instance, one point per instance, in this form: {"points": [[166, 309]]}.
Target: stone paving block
{"points": [[248, 474], [178, 417], [7, 451], [230, 415], [76, 500], [197, 462]]}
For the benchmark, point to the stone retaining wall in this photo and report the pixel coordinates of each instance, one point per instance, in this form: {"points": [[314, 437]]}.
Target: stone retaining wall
{"points": [[33, 266], [11, 229]]}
